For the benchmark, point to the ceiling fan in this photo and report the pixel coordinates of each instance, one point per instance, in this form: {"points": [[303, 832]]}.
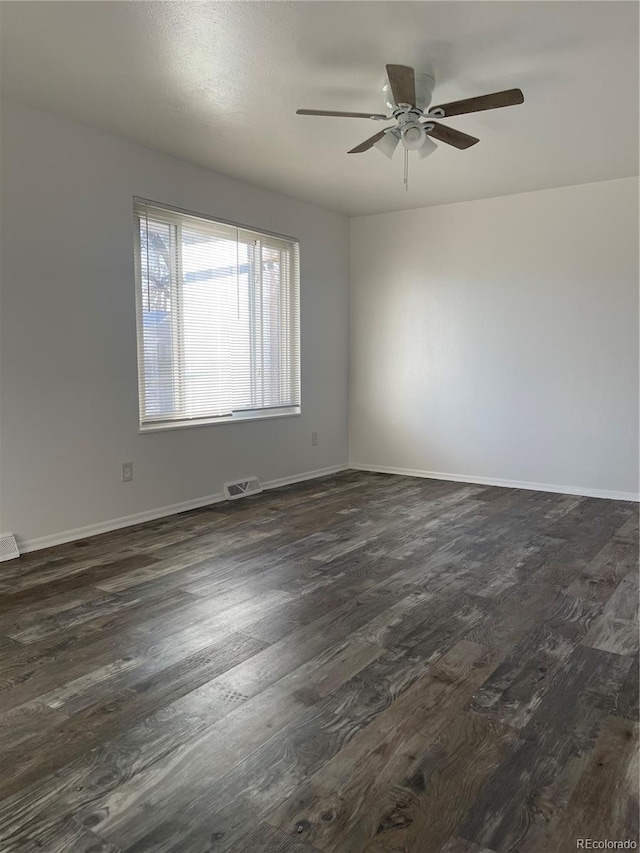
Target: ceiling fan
{"points": [[408, 98]]}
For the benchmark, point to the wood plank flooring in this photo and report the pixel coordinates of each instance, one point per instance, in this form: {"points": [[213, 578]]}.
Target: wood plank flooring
{"points": [[360, 664]]}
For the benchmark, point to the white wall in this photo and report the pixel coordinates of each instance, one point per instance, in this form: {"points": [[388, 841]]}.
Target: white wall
{"points": [[498, 339], [494, 339], [68, 359]]}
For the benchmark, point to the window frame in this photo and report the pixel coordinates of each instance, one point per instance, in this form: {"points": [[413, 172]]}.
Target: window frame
{"points": [[240, 416]]}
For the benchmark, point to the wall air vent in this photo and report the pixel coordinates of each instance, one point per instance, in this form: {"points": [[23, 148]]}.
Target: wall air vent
{"points": [[240, 488], [8, 548]]}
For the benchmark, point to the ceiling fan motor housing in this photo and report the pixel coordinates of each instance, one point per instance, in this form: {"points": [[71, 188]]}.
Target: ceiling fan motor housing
{"points": [[425, 85]]}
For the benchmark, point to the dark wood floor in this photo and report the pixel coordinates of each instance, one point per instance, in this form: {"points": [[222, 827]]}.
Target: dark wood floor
{"points": [[362, 663]]}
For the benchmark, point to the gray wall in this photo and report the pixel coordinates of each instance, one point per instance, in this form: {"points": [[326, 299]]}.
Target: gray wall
{"points": [[68, 359], [497, 340]]}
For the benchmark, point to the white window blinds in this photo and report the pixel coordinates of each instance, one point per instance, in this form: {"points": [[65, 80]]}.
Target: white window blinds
{"points": [[218, 319]]}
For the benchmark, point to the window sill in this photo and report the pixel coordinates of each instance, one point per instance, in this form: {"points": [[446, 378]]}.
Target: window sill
{"points": [[234, 419]]}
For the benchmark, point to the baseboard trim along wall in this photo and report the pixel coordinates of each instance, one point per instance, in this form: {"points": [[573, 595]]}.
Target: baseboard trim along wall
{"points": [[508, 484], [173, 509], [161, 512]]}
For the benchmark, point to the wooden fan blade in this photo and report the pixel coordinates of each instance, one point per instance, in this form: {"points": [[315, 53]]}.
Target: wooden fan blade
{"points": [[335, 113], [508, 98], [452, 137], [368, 143], [403, 84]]}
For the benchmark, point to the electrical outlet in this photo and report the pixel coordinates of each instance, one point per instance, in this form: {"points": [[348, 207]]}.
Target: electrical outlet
{"points": [[314, 439], [127, 472]]}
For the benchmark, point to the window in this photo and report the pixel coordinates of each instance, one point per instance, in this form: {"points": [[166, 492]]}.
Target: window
{"points": [[218, 320]]}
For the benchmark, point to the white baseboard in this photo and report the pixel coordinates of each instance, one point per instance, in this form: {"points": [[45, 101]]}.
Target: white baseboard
{"points": [[161, 512], [37, 544], [310, 475], [509, 484], [115, 524]]}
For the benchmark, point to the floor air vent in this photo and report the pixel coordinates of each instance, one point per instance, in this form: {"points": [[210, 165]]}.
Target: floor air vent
{"points": [[8, 548], [240, 488]]}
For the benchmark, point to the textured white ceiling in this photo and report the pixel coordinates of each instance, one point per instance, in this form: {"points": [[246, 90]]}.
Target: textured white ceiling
{"points": [[218, 84]]}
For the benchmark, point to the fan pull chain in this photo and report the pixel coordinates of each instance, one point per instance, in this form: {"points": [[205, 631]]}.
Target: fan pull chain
{"points": [[406, 170]]}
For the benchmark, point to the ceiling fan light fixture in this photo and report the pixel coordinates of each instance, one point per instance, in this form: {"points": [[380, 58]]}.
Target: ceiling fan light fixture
{"points": [[388, 143], [413, 136], [427, 147]]}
